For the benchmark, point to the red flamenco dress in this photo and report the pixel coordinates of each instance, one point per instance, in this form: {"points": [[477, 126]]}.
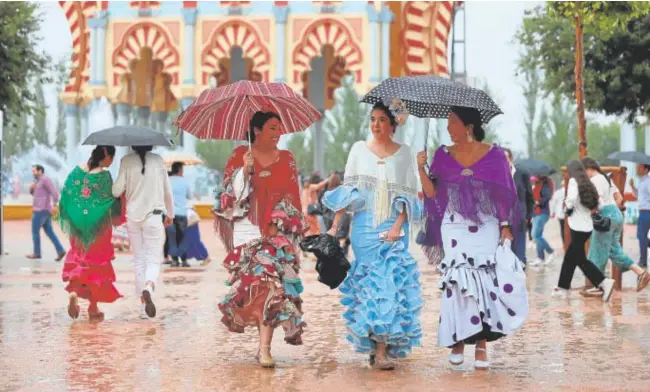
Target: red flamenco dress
{"points": [[264, 281], [87, 212]]}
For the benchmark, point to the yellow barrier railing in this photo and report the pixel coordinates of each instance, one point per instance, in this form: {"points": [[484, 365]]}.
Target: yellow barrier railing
{"points": [[24, 211]]}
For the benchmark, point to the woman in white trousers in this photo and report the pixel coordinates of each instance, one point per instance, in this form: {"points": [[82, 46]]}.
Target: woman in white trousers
{"points": [[144, 182]]}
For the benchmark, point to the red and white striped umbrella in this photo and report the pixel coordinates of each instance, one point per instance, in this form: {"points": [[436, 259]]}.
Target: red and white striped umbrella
{"points": [[224, 113]]}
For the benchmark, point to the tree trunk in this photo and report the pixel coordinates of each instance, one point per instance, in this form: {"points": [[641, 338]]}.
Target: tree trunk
{"points": [[580, 96]]}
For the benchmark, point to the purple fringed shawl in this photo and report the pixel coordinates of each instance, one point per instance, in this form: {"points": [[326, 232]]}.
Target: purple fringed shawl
{"points": [[485, 187]]}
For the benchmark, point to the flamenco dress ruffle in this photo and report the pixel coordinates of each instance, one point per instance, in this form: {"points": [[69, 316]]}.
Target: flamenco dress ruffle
{"points": [[382, 291], [89, 272]]}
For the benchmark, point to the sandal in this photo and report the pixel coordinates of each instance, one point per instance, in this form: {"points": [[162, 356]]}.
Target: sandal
{"points": [[642, 281], [266, 362], [73, 306], [383, 364], [481, 365]]}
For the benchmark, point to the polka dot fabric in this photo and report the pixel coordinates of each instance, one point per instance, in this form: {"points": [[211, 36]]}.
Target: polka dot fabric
{"points": [[484, 297], [429, 96]]}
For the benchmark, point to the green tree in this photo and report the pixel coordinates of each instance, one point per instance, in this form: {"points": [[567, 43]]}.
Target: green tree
{"points": [[20, 63], [17, 137], [608, 17], [345, 123], [61, 75], [556, 144], [39, 130], [491, 136], [534, 115], [604, 140], [558, 37], [215, 153]]}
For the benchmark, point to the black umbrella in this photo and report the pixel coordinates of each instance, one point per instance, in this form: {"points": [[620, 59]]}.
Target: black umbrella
{"points": [[535, 168], [430, 96], [630, 156], [128, 136]]}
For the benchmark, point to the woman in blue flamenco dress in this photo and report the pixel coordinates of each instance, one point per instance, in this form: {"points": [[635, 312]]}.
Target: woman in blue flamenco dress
{"points": [[382, 290]]}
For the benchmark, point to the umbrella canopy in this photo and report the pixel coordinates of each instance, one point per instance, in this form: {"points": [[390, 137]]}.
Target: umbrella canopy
{"points": [[180, 156], [127, 136], [224, 113], [535, 168], [429, 96], [630, 156]]}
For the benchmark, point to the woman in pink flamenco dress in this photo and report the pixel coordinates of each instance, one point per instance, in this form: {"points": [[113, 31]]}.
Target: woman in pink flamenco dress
{"points": [[87, 212]]}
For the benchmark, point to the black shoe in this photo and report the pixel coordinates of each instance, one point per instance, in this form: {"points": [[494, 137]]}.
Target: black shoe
{"points": [[175, 263], [185, 264]]}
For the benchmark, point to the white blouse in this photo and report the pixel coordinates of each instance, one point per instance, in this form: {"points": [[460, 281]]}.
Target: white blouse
{"points": [[580, 219], [606, 191]]}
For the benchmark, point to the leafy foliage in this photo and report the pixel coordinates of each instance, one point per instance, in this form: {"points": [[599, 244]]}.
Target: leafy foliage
{"points": [[616, 72], [20, 63], [215, 153], [303, 151], [344, 124]]}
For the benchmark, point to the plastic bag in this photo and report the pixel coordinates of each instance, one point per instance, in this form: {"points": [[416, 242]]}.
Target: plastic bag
{"points": [[331, 264], [512, 286]]}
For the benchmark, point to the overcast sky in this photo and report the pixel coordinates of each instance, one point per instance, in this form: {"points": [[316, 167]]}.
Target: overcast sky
{"points": [[491, 55]]}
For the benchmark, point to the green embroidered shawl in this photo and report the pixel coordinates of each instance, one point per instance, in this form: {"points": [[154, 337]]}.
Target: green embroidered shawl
{"points": [[87, 205]]}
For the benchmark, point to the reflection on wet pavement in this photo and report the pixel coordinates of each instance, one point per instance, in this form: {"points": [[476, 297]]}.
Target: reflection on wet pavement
{"points": [[574, 344]]}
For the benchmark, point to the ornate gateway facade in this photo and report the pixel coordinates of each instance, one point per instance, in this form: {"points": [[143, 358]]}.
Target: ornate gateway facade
{"points": [[150, 57]]}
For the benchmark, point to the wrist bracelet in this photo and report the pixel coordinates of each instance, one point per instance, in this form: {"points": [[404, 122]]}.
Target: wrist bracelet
{"points": [[504, 224]]}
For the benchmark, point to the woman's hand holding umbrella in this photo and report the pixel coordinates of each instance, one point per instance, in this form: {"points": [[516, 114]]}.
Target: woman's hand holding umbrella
{"points": [[248, 162]]}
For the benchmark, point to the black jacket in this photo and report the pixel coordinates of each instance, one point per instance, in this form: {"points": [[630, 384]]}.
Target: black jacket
{"points": [[524, 194]]}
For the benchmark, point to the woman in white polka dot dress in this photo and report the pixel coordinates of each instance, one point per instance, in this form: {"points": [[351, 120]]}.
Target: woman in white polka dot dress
{"points": [[470, 205]]}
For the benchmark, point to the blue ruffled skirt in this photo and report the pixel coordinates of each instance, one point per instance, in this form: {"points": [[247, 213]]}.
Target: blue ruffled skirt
{"points": [[382, 291]]}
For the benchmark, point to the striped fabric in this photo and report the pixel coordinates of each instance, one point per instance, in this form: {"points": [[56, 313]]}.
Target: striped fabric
{"points": [[224, 113]]}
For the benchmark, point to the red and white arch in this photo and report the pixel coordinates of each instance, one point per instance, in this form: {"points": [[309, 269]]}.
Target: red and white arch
{"points": [[426, 27], [327, 32], [231, 34], [77, 14], [146, 35]]}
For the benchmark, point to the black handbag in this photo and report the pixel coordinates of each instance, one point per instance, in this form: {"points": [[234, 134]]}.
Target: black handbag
{"points": [[314, 209], [601, 223]]}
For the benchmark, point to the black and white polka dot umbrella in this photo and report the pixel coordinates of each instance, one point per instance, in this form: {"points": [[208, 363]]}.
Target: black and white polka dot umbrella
{"points": [[430, 96]]}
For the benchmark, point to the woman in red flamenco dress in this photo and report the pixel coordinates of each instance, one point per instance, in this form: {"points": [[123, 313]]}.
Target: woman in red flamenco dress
{"points": [[87, 212], [259, 220]]}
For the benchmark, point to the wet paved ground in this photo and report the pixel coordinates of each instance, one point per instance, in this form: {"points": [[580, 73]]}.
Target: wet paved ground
{"points": [[576, 344]]}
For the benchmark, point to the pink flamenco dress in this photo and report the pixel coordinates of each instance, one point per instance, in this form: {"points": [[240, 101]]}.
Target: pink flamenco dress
{"points": [[87, 213]]}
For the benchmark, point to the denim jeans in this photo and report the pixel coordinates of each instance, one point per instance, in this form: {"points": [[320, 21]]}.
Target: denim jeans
{"points": [[642, 234], [176, 238], [539, 221], [519, 245], [44, 219]]}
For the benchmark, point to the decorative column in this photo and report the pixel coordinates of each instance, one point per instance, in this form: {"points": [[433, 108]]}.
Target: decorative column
{"points": [[143, 113], [188, 141], [373, 19], [123, 119], [386, 17], [189, 14], [71, 115], [281, 13], [98, 48], [85, 129]]}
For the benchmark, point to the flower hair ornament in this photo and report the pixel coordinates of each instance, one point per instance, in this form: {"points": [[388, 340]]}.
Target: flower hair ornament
{"points": [[398, 108]]}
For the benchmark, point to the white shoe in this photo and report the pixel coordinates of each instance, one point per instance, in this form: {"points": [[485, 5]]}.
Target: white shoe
{"points": [[456, 359], [608, 288], [481, 365], [560, 293], [536, 263], [550, 258]]}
